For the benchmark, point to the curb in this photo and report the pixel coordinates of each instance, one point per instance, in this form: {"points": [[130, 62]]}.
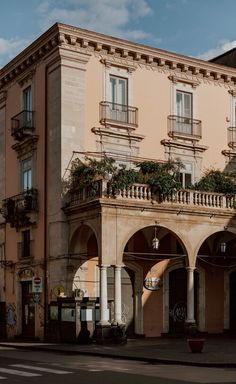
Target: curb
{"points": [[150, 360]]}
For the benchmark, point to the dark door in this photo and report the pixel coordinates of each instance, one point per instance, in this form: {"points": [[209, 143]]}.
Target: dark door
{"points": [[2, 320], [28, 310], [233, 302], [177, 300]]}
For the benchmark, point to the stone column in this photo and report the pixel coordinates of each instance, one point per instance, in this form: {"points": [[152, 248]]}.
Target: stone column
{"points": [[104, 319], [117, 314], [190, 295]]}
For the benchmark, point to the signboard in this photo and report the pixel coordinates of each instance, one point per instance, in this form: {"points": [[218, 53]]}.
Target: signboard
{"points": [[59, 291], [37, 284]]}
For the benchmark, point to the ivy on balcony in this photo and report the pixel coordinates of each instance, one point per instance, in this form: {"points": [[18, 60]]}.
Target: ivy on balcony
{"points": [[217, 181], [163, 176]]}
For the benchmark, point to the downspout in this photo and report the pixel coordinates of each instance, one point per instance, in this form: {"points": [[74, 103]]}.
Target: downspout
{"points": [[45, 212]]}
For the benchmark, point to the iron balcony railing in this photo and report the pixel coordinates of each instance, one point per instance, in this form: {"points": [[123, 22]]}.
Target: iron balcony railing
{"points": [[16, 209], [118, 113], [232, 137], [179, 126], [22, 124]]}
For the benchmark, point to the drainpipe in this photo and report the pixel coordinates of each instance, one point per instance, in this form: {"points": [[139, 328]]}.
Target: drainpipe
{"points": [[45, 212]]}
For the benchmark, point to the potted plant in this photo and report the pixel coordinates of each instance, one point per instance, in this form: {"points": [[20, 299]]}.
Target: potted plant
{"points": [[194, 340]]}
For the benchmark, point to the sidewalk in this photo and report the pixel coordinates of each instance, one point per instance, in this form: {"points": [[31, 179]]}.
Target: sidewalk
{"points": [[218, 352]]}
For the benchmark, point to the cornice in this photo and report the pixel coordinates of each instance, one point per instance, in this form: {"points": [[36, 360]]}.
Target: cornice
{"points": [[193, 146], [113, 50], [125, 134]]}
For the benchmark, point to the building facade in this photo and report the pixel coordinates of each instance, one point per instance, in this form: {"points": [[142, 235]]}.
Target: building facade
{"points": [[74, 264]]}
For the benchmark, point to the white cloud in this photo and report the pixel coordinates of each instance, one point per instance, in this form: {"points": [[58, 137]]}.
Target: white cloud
{"points": [[106, 16], [10, 48], [223, 46]]}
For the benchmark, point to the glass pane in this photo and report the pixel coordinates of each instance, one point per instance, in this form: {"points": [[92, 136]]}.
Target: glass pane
{"points": [[27, 99], [188, 180], [179, 104], [187, 105], [122, 91], [113, 89], [27, 179]]}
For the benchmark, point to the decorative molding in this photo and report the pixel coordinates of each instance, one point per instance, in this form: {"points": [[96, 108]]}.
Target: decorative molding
{"points": [[179, 79], [232, 92], [122, 64], [126, 133], [183, 145], [3, 96], [26, 146], [27, 77], [77, 40], [229, 153]]}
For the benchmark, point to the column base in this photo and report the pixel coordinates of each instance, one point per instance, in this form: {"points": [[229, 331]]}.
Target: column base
{"points": [[191, 328], [103, 333]]}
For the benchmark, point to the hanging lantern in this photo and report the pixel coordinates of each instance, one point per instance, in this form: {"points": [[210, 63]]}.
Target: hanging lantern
{"points": [[222, 247], [155, 241]]}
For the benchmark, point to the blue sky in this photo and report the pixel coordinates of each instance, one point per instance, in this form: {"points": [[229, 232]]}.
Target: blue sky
{"points": [[199, 28]]}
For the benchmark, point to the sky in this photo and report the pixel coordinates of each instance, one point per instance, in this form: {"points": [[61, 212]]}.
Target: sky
{"points": [[198, 28]]}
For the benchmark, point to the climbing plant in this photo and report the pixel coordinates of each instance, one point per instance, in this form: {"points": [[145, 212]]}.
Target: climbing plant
{"points": [[217, 181], [164, 176]]}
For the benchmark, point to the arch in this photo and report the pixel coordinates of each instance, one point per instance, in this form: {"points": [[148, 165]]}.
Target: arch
{"points": [[141, 229]]}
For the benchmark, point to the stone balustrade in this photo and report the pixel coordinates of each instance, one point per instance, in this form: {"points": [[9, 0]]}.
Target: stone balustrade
{"points": [[147, 193]]}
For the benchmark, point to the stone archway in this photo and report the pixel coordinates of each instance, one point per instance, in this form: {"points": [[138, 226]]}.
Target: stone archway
{"points": [[154, 266], [216, 257]]}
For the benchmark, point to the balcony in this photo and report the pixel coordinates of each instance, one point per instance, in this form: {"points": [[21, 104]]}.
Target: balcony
{"points": [[17, 210], [232, 137], [144, 193], [118, 114], [184, 127], [22, 125]]}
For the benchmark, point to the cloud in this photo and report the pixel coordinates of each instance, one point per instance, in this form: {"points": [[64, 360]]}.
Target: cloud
{"points": [[222, 46], [10, 48], [109, 17]]}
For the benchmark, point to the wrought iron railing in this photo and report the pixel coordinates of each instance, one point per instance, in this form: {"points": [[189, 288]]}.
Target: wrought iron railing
{"points": [[232, 137], [22, 124], [16, 209], [118, 113], [179, 126]]}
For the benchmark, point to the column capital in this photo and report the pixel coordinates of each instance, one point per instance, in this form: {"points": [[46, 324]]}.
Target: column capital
{"points": [[118, 266], [190, 268], [104, 265]]}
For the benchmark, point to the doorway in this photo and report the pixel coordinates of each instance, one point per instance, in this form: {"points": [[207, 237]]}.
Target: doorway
{"points": [[28, 310], [232, 305]]}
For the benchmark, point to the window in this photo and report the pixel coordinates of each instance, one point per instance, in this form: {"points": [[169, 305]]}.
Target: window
{"points": [[26, 169], [27, 106], [119, 98], [184, 111], [25, 245], [186, 176], [27, 99], [119, 89]]}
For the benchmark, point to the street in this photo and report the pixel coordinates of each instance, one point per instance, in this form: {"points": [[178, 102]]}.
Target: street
{"points": [[26, 366]]}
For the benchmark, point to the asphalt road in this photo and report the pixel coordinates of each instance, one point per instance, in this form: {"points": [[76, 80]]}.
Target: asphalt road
{"points": [[24, 366]]}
